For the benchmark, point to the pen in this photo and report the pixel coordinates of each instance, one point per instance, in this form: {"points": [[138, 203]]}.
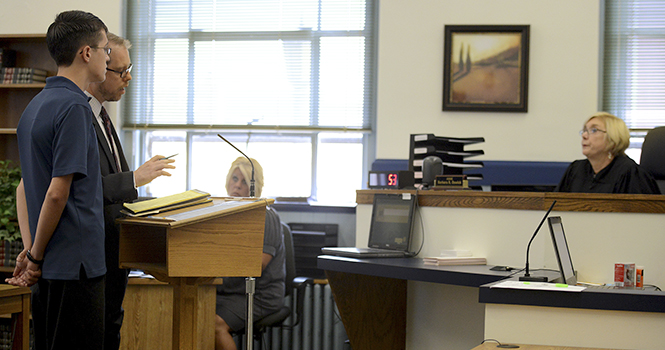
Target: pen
{"points": [[173, 155]]}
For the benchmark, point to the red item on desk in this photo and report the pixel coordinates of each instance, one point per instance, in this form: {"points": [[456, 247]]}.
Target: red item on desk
{"points": [[624, 275]]}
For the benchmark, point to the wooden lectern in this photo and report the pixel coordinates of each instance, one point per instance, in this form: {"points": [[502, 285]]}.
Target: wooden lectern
{"points": [[188, 248]]}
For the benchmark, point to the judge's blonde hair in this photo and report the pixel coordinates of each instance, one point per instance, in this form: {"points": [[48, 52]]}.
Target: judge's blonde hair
{"points": [[246, 169], [617, 134]]}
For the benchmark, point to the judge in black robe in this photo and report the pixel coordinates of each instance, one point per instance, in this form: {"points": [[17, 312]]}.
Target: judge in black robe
{"points": [[623, 175], [607, 169]]}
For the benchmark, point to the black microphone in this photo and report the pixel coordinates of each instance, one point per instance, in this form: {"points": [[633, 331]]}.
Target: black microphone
{"points": [[527, 276], [432, 166], [251, 181]]}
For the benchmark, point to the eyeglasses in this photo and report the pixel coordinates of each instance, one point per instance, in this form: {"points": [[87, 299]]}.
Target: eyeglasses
{"points": [[123, 73], [591, 131], [106, 49]]}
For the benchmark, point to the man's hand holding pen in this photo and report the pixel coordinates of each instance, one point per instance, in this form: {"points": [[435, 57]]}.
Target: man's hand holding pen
{"points": [[169, 157], [153, 169]]}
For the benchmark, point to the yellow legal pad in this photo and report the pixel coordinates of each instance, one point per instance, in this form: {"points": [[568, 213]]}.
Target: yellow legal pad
{"points": [[179, 200]]}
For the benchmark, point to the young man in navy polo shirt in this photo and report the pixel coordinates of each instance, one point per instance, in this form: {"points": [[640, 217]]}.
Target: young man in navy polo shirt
{"points": [[59, 199]]}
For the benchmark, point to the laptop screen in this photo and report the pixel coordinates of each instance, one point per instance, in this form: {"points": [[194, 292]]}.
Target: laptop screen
{"points": [[392, 219], [561, 250]]}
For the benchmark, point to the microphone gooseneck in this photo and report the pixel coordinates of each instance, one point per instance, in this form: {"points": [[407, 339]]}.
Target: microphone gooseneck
{"points": [[251, 181], [527, 276]]}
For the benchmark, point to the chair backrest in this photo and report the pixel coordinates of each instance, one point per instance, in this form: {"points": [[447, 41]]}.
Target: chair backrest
{"points": [[290, 259], [653, 155]]}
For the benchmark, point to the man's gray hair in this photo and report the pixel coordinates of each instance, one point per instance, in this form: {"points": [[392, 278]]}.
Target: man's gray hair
{"points": [[120, 41]]}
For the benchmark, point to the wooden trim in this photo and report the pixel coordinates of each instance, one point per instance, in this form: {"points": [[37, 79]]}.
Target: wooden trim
{"points": [[583, 202], [147, 281], [7, 269], [23, 86], [23, 36]]}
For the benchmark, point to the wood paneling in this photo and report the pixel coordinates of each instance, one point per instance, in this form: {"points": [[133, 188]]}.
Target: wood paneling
{"points": [[148, 322], [585, 202], [370, 305]]}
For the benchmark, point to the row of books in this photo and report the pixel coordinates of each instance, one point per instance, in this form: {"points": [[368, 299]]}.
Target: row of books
{"points": [[9, 251], [20, 75], [7, 338]]}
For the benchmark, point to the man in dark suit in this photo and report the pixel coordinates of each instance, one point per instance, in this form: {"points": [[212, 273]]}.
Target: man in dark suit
{"points": [[119, 183]]}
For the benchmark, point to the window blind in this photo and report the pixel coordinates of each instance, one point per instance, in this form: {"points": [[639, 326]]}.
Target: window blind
{"points": [[254, 63], [634, 62]]}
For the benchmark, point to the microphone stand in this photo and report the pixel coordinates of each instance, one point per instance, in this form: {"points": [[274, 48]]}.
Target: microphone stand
{"points": [[251, 180], [527, 276], [250, 282]]}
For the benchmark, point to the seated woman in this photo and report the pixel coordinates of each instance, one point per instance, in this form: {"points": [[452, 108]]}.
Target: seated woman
{"points": [[606, 168], [269, 290]]}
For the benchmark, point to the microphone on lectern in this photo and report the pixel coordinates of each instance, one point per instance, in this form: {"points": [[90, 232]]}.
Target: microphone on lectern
{"points": [[527, 276], [251, 181]]}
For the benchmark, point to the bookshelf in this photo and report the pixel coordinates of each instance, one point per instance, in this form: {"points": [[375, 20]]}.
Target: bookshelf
{"points": [[31, 51]]}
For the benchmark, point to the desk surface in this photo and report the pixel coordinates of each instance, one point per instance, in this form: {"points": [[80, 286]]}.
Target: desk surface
{"points": [[413, 269], [493, 346], [591, 298], [7, 290]]}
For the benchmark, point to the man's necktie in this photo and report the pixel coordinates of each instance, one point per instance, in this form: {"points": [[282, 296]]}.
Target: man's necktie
{"points": [[109, 134]]}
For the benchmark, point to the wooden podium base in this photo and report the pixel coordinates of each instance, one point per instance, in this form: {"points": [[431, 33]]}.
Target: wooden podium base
{"points": [[153, 319], [188, 332]]}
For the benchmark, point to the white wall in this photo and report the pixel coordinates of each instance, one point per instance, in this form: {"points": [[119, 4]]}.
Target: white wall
{"points": [[34, 16], [602, 328], [563, 76]]}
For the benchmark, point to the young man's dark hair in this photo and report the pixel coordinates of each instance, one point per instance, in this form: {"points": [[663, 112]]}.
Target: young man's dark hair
{"points": [[70, 31]]}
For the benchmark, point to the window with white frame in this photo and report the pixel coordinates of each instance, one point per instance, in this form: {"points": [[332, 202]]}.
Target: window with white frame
{"points": [[634, 66], [289, 82]]}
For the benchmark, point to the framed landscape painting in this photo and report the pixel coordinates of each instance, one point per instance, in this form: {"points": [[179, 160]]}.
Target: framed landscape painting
{"points": [[486, 68]]}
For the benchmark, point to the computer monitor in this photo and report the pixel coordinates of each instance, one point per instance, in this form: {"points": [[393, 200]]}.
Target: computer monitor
{"points": [[561, 250]]}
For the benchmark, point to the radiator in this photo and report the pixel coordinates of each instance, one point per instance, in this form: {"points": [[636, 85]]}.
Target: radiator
{"points": [[319, 329]]}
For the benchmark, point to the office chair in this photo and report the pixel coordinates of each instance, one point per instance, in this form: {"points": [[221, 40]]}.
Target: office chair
{"points": [[291, 282], [653, 155]]}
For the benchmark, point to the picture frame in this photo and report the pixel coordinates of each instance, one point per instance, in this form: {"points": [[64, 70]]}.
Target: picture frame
{"points": [[486, 68]]}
